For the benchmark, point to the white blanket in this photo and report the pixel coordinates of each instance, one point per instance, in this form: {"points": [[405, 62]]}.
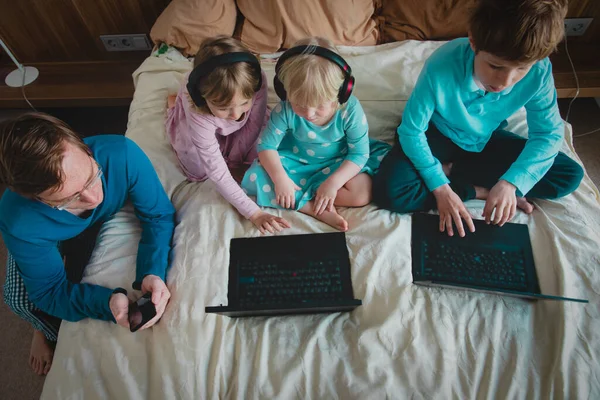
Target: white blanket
{"points": [[404, 342]]}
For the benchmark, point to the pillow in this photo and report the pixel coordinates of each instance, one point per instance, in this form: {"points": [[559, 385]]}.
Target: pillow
{"points": [[425, 19], [271, 25], [186, 23]]}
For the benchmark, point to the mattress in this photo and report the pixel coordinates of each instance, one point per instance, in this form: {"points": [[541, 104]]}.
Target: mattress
{"points": [[405, 341]]}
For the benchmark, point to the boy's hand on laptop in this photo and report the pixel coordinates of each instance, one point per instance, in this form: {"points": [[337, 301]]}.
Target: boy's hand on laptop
{"points": [[452, 208], [285, 191], [503, 198], [160, 296], [268, 223]]}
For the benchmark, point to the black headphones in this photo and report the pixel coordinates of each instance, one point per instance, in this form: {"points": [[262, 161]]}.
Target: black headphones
{"points": [[348, 84], [209, 65]]}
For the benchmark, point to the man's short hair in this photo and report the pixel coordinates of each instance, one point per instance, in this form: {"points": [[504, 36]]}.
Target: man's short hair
{"points": [[518, 30], [31, 152]]}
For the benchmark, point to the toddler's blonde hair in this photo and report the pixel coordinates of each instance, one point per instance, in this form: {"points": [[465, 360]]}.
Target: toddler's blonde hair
{"points": [[221, 84], [311, 80]]}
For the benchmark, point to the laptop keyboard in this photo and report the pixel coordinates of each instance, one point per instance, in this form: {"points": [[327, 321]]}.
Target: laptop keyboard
{"points": [[482, 267], [290, 283]]}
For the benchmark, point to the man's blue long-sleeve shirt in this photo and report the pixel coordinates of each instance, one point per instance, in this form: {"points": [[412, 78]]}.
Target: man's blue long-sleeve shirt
{"points": [[32, 230]]}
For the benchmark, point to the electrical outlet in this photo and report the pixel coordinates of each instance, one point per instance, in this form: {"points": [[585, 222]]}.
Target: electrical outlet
{"points": [[577, 26], [133, 42]]}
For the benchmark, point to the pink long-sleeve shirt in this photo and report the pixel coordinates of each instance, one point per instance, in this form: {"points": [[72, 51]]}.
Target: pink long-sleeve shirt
{"points": [[206, 145]]}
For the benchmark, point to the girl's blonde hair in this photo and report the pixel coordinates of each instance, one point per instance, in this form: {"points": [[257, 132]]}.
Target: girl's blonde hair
{"points": [[221, 84], [311, 80]]}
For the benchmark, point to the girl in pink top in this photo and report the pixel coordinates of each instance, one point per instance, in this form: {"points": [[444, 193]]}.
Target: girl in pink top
{"points": [[215, 120]]}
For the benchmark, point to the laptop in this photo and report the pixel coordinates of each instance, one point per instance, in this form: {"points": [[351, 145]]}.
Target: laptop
{"points": [[293, 274], [492, 259]]}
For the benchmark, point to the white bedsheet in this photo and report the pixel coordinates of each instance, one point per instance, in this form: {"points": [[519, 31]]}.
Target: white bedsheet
{"points": [[404, 342]]}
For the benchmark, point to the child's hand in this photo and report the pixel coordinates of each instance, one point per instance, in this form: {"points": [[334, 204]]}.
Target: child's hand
{"points": [[325, 197], [285, 191], [451, 208], [266, 222], [503, 198]]}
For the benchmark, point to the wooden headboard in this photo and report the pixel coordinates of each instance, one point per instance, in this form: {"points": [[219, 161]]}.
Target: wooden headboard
{"points": [[69, 30]]}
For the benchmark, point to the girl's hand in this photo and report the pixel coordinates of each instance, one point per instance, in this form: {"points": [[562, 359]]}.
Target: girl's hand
{"points": [[451, 207], [503, 198], [285, 191], [266, 222], [325, 197]]}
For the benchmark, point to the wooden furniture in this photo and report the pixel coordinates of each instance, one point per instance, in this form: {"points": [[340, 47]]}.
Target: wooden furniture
{"points": [[61, 39], [76, 84], [69, 30], [586, 59]]}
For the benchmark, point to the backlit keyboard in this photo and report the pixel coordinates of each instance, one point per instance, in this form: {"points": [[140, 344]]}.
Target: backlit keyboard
{"points": [[288, 282], [483, 267]]}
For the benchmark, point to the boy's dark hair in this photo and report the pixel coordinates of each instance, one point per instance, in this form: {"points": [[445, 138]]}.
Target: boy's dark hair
{"points": [[518, 30], [32, 150]]}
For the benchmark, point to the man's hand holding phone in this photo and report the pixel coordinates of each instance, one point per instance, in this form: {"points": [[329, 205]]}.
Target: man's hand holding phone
{"points": [[147, 310], [156, 288], [119, 306]]}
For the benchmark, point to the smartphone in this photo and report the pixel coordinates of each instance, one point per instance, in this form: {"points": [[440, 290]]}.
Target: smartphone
{"points": [[141, 312]]}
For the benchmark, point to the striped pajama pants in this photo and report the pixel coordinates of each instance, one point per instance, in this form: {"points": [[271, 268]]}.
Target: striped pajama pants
{"points": [[76, 252]]}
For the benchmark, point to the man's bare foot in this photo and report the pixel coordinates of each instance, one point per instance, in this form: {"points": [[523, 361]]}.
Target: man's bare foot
{"points": [[331, 218], [524, 205], [447, 168], [41, 353]]}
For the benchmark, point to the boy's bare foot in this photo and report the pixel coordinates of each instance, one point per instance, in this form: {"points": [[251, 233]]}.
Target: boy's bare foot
{"points": [[524, 205], [447, 168], [41, 353], [482, 193], [331, 218]]}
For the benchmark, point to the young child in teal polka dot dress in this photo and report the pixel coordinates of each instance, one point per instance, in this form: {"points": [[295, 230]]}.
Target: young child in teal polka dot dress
{"points": [[315, 153]]}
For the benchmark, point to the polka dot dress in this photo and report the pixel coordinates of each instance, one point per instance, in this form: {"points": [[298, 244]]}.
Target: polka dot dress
{"points": [[310, 153]]}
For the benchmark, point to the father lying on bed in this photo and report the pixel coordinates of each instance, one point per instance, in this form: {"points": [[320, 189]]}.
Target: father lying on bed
{"points": [[60, 191]]}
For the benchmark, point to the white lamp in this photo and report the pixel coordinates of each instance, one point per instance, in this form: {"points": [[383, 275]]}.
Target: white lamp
{"points": [[21, 76]]}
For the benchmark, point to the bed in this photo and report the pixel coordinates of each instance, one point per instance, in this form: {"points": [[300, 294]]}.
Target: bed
{"points": [[403, 342]]}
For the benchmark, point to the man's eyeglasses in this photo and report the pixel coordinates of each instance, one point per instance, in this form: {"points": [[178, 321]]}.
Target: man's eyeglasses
{"points": [[77, 195]]}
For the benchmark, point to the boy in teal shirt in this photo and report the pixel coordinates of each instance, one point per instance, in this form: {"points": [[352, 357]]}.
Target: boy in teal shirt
{"points": [[452, 143]]}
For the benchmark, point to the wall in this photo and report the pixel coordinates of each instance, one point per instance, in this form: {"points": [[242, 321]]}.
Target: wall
{"points": [[69, 30], [586, 9]]}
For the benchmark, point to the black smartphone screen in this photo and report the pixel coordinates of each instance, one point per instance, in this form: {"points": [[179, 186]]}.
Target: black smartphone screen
{"points": [[141, 312]]}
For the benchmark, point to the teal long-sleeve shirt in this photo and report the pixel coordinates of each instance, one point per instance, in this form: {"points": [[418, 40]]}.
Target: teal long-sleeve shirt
{"points": [[447, 95], [32, 230]]}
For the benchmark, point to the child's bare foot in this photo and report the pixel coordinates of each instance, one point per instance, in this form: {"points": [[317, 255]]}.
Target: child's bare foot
{"points": [[482, 193], [41, 353], [524, 205], [171, 101], [447, 168], [331, 218]]}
